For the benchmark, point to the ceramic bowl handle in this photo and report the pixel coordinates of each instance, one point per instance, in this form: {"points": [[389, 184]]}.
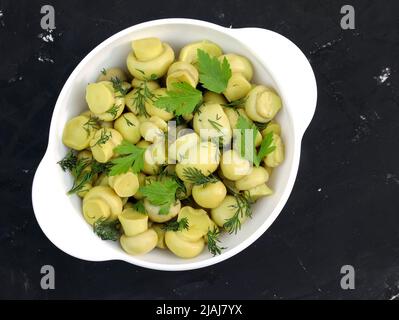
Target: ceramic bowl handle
{"points": [[289, 68], [66, 232]]}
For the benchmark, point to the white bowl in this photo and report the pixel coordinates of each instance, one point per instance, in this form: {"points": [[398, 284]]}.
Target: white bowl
{"points": [[277, 62]]}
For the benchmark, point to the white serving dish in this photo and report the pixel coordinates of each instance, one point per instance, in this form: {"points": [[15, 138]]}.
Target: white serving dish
{"points": [[277, 62]]}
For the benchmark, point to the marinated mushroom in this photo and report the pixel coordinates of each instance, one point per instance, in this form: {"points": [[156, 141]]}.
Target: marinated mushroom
{"points": [[112, 73], [103, 144], [139, 244], [133, 222], [204, 157], [262, 104], [79, 131], [237, 87], [189, 52], [209, 195], [101, 203], [129, 127], [150, 58], [225, 211], [125, 184], [104, 101], [256, 177], [239, 64], [233, 166], [181, 72], [213, 121], [181, 247], [154, 214], [276, 157]]}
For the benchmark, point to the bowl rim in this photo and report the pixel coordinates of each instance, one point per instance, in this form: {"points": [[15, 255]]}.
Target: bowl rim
{"points": [[292, 171]]}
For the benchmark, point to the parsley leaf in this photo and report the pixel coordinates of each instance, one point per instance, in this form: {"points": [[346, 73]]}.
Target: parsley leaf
{"points": [[265, 148], [131, 157], [183, 99], [139, 207], [235, 103], [214, 75], [107, 230], [247, 148], [176, 225], [161, 193]]}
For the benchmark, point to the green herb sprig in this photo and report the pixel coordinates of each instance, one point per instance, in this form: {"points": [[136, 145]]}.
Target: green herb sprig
{"points": [[176, 225], [213, 241], [266, 147], [248, 150], [216, 125], [196, 177], [80, 182], [214, 75], [182, 99], [181, 192], [113, 111], [107, 230], [93, 123], [142, 95], [131, 157], [83, 170], [104, 137], [242, 209], [161, 193], [68, 162], [118, 86], [260, 126], [139, 207], [128, 122], [235, 103]]}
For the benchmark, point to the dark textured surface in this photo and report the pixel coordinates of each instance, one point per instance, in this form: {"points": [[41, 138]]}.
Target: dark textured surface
{"points": [[344, 206]]}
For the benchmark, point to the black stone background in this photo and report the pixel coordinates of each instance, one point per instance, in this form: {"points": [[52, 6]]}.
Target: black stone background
{"points": [[344, 206]]}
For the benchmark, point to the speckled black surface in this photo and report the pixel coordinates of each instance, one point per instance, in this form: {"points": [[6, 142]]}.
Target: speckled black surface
{"points": [[344, 206]]}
